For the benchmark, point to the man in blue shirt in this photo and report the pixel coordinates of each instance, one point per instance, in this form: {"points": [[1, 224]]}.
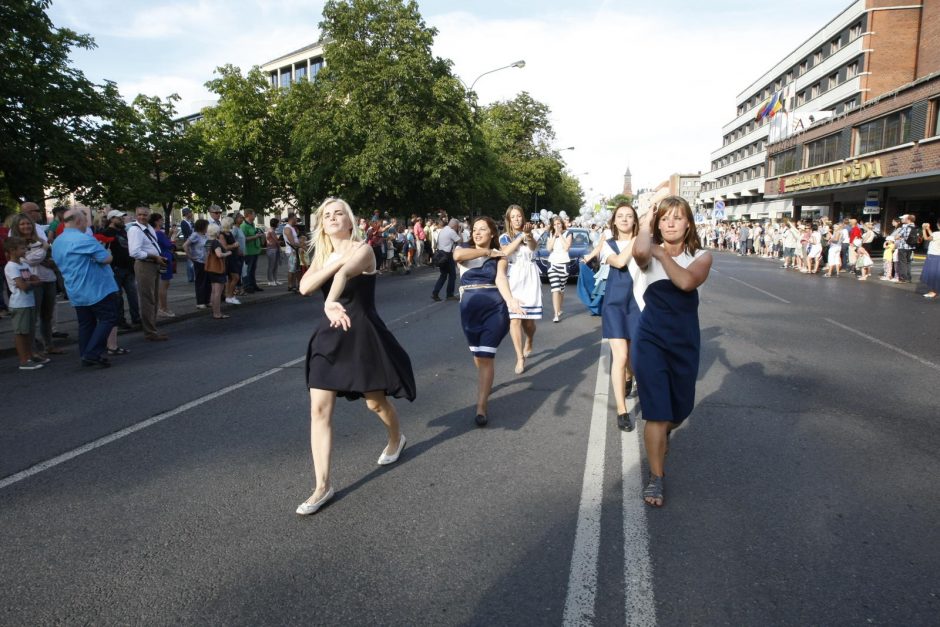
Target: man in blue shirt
{"points": [[85, 267]]}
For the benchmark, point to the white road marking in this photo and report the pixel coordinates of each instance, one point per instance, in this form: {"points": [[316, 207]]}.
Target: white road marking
{"points": [[929, 364], [117, 435], [582, 578], [639, 606], [753, 287]]}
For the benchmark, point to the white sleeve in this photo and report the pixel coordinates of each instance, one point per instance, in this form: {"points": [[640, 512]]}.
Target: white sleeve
{"points": [[135, 237], [606, 251]]}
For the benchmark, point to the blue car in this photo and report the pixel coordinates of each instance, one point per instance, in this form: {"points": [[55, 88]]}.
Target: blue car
{"points": [[580, 246]]}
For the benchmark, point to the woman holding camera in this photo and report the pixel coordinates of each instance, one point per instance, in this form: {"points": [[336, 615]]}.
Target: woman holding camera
{"points": [[519, 246]]}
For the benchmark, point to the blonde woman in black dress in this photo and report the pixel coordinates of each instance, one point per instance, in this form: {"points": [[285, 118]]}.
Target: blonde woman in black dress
{"points": [[351, 353]]}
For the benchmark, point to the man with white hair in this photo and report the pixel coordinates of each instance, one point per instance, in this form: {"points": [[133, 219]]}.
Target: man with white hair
{"points": [[447, 239], [85, 267], [148, 264]]}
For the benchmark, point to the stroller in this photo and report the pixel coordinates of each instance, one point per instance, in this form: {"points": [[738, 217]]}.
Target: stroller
{"points": [[397, 263]]}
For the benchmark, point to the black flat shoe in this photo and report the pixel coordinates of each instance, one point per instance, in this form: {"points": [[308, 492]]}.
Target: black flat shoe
{"points": [[481, 420], [625, 422]]}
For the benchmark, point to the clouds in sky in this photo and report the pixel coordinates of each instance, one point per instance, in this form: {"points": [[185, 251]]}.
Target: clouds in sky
{"points": [[638, 83]]}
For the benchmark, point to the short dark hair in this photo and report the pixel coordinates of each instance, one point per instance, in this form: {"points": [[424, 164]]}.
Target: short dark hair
{"points": [[273, 222], [200, 225], [154, 218]]}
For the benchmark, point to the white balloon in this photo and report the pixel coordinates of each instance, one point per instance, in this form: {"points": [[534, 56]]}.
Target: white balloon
{"points": [[563, 214]]}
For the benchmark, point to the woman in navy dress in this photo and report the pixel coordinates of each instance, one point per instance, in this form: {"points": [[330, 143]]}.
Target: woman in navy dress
{"points": [[618, 310], [351, 352], [670, 266], [485, 303]]}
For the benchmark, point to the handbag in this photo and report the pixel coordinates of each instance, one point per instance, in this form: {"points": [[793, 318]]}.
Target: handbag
{"points": [[214, 263], [440, 258]]}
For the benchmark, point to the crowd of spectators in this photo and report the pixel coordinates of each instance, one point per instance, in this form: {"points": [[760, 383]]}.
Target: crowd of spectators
{"points": [[828, 248]]}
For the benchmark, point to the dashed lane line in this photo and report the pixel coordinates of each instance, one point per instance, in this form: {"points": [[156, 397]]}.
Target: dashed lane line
{"points": [[921, 360], [753, 287]]}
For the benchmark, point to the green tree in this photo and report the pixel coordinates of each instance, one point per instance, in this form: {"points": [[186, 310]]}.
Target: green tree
{"points": [[619, 198], [50, 113], [393, 128], [241, 140]]}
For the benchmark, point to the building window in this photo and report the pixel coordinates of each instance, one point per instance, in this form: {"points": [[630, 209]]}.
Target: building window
{"points": [[825, 150], [783, 162], [935, 119], [851, 70], [882, 133], [778, 84], [817, 57], [285, 77], [849, 104], [855, 32], [835, 45], [814, 91], [833, 81], [789, 77], [801, 99], [804, 67], [315, 66], [300, 73]]}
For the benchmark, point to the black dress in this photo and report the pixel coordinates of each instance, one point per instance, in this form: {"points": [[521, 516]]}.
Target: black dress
{"points": [[365, 358]]}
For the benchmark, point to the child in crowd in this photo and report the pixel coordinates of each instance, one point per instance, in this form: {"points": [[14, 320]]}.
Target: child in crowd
{"points": [[863, 262], [390, 242], [21, 282], [888, 258]]}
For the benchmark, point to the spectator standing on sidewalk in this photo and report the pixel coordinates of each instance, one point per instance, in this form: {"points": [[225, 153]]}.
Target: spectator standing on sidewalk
{"points": [[292, 243], [148, 265], [447, 239], [195, 249], [233, 263], [21, 283], [84, 263], [185, 231], [272, 251], [40, 264], [420, 238], [215, 268], [253, 238], [887, 257], [167, 248], [906, 242], [930, 275], [744, 237], [123, 266]]}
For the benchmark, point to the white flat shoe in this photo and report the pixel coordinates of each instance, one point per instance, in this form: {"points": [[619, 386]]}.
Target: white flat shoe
{"points": [[385, 458], [305, 509]]}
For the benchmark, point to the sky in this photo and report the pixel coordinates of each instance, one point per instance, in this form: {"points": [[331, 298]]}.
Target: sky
{"points": [[632, 83]]}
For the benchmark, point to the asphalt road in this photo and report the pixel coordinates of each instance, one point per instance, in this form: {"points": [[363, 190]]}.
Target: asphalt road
{"points": [[803, 490]]}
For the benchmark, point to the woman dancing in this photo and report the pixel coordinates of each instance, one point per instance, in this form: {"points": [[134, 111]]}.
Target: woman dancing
{"points": [[351, 353], [519, 245], [559, 241], [485, 303], [619, 310], [666, 345]]}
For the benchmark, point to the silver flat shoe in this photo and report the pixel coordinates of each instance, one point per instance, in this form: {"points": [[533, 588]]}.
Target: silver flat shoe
{"points": [[385, 458], [305, 508]]}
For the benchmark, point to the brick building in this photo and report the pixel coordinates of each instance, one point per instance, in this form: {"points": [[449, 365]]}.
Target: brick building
{"points": [[881, 159], [868, 50]]}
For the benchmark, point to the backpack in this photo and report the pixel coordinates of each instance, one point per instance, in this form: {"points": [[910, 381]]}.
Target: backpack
{"points": [[912, 237]]}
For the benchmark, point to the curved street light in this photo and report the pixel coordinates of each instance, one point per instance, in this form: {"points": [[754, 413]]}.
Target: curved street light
{"points": [[519, 64]]}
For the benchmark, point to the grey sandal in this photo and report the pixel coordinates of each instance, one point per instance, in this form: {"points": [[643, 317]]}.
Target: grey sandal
{"points": [[654, 490]]}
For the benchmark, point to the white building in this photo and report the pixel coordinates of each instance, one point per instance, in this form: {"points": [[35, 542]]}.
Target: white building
{"points": [[822, 77], [295, 66]]}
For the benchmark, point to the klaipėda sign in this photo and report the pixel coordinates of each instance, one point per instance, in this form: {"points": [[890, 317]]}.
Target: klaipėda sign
{"points": [[849, 173]]}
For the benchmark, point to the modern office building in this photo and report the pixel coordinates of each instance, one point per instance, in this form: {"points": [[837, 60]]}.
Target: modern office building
{"points": [[687, 186], [869, 49], [303, 64]]}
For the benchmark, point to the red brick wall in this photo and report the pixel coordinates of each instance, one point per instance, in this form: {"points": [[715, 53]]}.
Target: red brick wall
{"points": [[928, 54], [894, 45]]}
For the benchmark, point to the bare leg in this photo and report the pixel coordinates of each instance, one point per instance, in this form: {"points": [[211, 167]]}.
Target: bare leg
{"points": [[654, 436], [528, 326], [217, 299], [618, 372], [377, 401], [321, 438], [112, 339], [24, 347], [557, 299], [515, 332], [486, 371]]}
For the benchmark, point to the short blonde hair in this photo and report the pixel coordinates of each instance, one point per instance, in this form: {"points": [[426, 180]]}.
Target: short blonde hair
{"points": [[227, 224], [212, 231]]}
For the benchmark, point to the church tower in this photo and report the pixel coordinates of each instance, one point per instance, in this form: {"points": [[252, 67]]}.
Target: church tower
{"points": [[627, 183]]}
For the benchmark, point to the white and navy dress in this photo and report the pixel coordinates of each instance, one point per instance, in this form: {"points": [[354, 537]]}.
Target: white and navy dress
{"points": [[483, 312], [666, 343], [524, 282], [619, 311], [558, 260]]}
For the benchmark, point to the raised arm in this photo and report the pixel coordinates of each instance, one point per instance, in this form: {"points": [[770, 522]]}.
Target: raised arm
{"points": [[462, 253], [643, 242], [686, 279], [621, 260], [314, 277]]}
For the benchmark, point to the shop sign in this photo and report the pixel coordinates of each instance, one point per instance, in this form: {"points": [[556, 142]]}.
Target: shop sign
{"points": [[872, 203], [849, 173]]}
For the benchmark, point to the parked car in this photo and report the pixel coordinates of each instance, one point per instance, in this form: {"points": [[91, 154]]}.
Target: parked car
{"points": [[580, 246]]}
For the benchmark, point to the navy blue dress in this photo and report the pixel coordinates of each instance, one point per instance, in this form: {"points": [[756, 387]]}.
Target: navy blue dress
{"points": [[364, 358], [619, 306], [483, 312], [666, 343]]}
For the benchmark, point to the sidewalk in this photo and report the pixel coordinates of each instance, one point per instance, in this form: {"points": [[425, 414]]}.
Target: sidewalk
{"points": [[181, 299]]}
